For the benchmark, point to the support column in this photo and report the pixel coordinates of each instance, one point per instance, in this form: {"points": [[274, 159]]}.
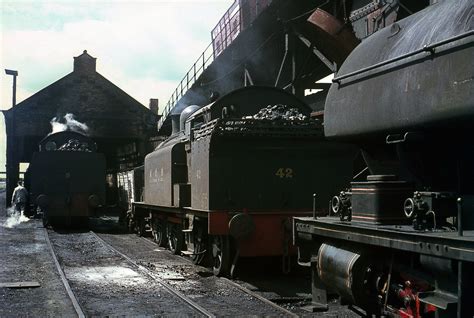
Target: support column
{"points": [[13, 162], [318, 290], [292, 45]]}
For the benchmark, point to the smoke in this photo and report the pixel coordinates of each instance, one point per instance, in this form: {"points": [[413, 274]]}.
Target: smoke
{"points": [[191, 97], [15, 218], [68, 123]]}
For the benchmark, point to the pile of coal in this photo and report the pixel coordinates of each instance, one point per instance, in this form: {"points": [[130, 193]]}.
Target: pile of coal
{"points": [[279, 112], [74, 145]]}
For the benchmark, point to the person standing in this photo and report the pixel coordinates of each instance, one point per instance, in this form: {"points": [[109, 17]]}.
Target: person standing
{"points": [[19, 198]]}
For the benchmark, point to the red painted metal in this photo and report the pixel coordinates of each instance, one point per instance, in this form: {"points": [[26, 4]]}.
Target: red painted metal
{"points": [[272, 232], [331, 36], [218, 223]]}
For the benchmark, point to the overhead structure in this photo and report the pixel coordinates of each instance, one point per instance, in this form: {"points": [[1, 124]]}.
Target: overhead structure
{"points": [[281, 43]]}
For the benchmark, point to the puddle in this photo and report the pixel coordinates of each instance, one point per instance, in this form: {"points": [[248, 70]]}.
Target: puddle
{"points": [[109, 274]]}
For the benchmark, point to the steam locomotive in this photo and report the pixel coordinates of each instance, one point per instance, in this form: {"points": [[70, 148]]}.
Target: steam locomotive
{"points": [[400, 240], [229, 179], [67, 179]]}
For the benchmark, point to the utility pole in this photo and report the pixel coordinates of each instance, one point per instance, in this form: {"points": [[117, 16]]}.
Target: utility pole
{"points": [[12, 160]]}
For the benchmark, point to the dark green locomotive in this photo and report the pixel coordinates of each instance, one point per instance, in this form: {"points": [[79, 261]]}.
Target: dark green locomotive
{"points": [[67, 179]]}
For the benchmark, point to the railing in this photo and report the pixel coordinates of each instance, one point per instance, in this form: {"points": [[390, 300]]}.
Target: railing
{"points": [[222, 35]]}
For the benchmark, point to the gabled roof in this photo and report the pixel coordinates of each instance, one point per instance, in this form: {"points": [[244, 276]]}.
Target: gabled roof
{"points": [[105, 108]]}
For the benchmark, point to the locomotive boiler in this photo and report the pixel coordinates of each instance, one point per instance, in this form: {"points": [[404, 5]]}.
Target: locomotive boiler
{"points": [[67, 179], [228, 181], [400, 240]]}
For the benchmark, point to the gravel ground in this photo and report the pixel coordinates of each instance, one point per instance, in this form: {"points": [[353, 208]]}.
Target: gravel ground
{"points": [[291, 291], [198, 283], [262, 276], [107, 285], [25, 256]]}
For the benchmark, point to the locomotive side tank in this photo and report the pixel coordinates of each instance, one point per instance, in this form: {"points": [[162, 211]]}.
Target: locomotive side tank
{"points": [[402, 243], [67, 179], [228, 183]]}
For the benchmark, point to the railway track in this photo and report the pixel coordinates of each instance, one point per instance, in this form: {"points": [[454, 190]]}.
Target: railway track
{"points": [[107, 274], [152, 275], [273, 289], [104, 282], [221, 296], [69, 291]]}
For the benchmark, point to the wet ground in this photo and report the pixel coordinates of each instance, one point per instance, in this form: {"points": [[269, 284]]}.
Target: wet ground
{"points": [[25, 257], [217, 295], [106, 284]]}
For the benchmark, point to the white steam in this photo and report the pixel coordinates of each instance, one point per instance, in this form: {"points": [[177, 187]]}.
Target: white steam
{"points": [[69, 123], [14, 218]]}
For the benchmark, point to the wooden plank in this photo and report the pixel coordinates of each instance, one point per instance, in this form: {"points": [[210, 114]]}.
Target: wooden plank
{"points": [[31, 284]]}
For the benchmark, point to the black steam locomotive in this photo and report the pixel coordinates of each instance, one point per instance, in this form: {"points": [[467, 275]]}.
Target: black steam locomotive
{"points": [[232, 175], [67, 179], [400, 240]]}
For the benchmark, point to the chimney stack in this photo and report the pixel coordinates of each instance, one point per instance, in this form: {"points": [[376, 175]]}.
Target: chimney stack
{"points": [[84, 63], [154, 105]]}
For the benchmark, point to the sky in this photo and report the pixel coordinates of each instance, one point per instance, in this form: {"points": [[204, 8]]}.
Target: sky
{"points": [[144, 47]]}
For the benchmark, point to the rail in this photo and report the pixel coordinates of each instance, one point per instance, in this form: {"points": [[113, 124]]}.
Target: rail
{"points": [[153, 276], [69, 291], [223, 34]]}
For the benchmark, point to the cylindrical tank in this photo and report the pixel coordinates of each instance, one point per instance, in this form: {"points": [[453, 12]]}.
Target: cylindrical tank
{"points": [[414, 75], [348, 273]]}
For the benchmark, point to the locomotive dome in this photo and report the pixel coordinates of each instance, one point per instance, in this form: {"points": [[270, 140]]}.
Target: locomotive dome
{"points": [[185, 114]]}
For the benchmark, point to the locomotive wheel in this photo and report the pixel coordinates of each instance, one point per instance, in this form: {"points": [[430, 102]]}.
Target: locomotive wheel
{"points": [[159, 231], [175, 238], [45, 220], [130, 223], [200, 246], [140, 227], [220, 247]]}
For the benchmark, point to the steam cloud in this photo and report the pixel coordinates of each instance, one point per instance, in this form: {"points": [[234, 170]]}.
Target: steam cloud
{"points": [[69, 123], [14, 219]]}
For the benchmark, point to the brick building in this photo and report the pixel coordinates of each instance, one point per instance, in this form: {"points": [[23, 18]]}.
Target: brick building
{"points": [[120, 125]]}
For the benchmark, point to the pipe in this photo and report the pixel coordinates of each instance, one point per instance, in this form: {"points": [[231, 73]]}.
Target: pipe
{"points": [[460, 230], [314, 206]]}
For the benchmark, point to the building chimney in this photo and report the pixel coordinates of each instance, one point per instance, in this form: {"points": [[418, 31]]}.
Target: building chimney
{"points": [[154, 105], [84, 63]]}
